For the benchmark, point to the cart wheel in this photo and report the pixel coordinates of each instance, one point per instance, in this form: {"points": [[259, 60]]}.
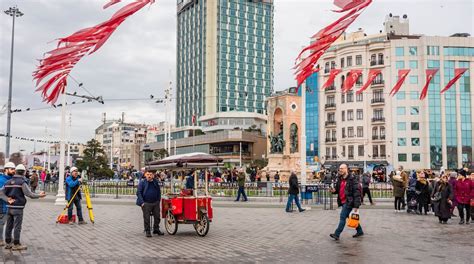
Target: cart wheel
{"points": [[202, 227], [171, 225]]}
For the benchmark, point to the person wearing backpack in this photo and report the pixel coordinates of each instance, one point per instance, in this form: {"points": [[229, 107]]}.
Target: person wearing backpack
{"points": [[149, 198], [365, 188], [9, 171]]}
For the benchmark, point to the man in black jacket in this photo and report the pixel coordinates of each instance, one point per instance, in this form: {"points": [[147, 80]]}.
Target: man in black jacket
{"points": [[148, 198], [293, 192], [348, 196]]}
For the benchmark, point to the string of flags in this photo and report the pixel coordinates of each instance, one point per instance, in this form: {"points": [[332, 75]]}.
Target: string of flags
{"points": [[37, 140]]}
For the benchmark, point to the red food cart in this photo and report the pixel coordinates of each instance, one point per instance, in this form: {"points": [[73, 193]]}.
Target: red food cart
{"points": [[188, 206]]}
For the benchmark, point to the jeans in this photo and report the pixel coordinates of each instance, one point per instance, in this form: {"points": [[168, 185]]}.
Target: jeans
{"points": [[292, 197], [461, 211], [14, 221], [3, 218], [241, 191], [345, 211], [147, 209], [366, 191], [76, 202]]}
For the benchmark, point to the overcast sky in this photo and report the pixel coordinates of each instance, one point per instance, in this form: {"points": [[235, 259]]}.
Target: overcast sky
{"points": [[137, 60]]}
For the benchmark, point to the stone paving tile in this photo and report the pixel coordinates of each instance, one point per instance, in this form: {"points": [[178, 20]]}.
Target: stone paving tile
{"points": [[241, 235]]}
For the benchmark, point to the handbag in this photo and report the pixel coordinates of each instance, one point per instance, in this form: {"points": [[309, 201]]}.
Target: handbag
{"points": [[436, 197], [353, 220]]}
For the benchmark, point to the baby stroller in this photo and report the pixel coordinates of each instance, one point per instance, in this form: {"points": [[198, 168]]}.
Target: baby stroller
{"points": [[412, 202]]}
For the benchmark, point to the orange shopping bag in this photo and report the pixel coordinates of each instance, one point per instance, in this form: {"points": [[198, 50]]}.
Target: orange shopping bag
{"points": [[353, 220]]}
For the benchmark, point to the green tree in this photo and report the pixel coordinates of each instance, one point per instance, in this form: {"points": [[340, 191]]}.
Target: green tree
{"points": [[94, 161], [160, 154]]}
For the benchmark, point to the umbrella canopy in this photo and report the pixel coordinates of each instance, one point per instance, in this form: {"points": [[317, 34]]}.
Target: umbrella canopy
{"points": [[194, 160]]}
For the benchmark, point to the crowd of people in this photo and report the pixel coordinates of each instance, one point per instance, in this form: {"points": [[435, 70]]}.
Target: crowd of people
{"points": [[432, 193]]}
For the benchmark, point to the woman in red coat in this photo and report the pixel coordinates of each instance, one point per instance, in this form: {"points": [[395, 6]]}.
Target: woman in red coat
{"points": [[462, 192], [472, 196]]}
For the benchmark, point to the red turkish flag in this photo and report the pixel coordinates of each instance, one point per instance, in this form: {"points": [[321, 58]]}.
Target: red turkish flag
{"points": [[430, 73], [372, 75], [402, 75], [458, 72], [332, 76], [351, 80]]}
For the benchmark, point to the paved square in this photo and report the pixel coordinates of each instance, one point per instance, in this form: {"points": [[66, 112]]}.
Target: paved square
{"points": [[245, 235]]}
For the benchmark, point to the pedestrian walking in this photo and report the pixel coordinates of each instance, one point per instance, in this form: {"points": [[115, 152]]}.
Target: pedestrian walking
{"points": [[462, 189], [366, 179], [149, 198], [442, 199], [8, 173], [34, 179], [452, 181], [398, 191], [14, 193], [241, 182], [348, 197], [73, 184], [293, 192], [422, 189]]}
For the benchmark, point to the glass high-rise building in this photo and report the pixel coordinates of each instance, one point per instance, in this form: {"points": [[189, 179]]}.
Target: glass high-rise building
{"points": [[224, 57]]}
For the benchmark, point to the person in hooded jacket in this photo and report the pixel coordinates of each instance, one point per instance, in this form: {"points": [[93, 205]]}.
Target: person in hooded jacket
{"points": [[293, 192], [442, 199]]}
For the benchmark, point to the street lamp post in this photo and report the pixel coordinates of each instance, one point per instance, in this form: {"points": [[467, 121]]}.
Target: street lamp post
{"points": [[13, 12]]}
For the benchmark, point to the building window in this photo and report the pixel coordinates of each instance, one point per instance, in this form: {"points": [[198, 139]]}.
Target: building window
{"points": [[333, 134], [350, 97], [360, 131], [350, 115], [343, 151], [413, 64], [401, 111], [414, 95], [343, 115], [360, 150], [378, 95], [399, 51], [414, 110], [414, 79], [350, 132], [373, 59], [328, 134], [413, 51], [375, 151], [360, 97], [415, 157], [415, 141], [432, 50], [359, 60], [342, 62], [343, 132], [351, 151], [326, 67], [360, 114], [400, 64], [381, 59], [359, 80], [333, 65], [342, 98], [402, 157], [349, 61], [328, 154], [382, 132], [415, 126], [375, 132], [382, 151], [402, 142], [378, 114], [401, 126], [401, 95]]}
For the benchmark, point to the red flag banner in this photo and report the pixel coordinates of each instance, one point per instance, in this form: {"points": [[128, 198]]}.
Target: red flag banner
{"points": [[326, 36], [56, 65], [430, 73], [458, 72], [332, 76], [351, 80], [402, 75], [372, 75]]}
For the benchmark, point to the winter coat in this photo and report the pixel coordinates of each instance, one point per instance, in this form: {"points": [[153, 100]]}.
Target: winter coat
{"points": [[462, 191], [241, 179], [142, 189], [442, 208], [405, 179], [34, 180], [423, 192], [71, 187], [365, 181], [352, 191], [293, 181], [398, 188], [3, 180]]}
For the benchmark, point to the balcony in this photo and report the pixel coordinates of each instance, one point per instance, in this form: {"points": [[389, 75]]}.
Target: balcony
{"points": [[378, 119], [330, 89], [330, 105], [326, 70], [382, 156], [378, 83], [375, 137], [351, 157], [382, 137], [330, 140], [376, 63], [330, 123], [377, 101], [331, 157]]}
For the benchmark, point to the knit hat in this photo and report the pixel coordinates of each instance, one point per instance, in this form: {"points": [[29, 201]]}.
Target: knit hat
{"points": [[453, 174]]}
